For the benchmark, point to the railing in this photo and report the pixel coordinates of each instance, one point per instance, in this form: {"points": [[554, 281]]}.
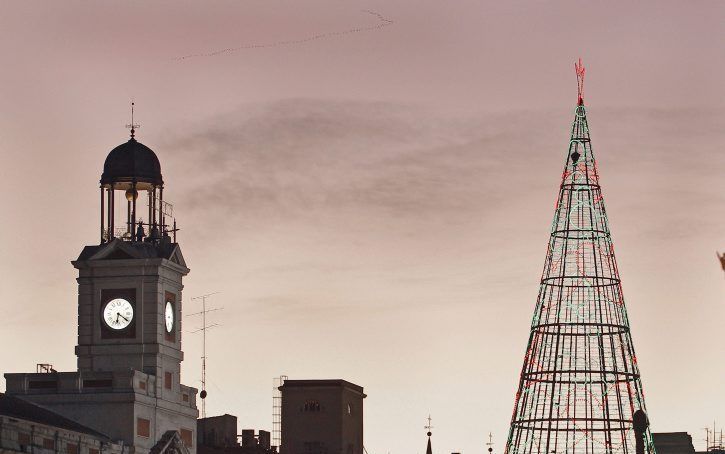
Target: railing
{"points": [[123, 233]]}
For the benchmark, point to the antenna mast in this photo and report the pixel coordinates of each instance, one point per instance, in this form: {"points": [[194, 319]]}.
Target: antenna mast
{"points": [[714, 439], [203, 329]]}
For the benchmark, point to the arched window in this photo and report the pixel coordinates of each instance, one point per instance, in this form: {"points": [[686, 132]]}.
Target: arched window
{"points": [[312, 405]]}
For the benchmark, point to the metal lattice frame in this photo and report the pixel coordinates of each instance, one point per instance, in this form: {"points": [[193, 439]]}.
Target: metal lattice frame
{"points": [[580, 383]]}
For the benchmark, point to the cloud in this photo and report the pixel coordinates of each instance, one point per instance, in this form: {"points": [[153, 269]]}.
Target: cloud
{"points": [[302, 158], [357, 185]]}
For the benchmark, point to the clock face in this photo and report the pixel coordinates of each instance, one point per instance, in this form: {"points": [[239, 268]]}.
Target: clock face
{"points": [[118, 314], [169, 316]]}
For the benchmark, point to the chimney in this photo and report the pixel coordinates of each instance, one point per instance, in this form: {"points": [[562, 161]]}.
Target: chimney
{"points": [[264, 440], [248, 438]]}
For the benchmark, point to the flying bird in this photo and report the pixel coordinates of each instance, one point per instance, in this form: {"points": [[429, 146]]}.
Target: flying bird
{"points": [[382, 22]]}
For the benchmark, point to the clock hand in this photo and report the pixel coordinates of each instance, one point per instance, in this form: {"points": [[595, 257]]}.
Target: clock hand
{"points": [[119, 314]]}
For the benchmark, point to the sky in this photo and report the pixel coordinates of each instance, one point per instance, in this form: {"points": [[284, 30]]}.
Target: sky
{"points": [[370, 186]]}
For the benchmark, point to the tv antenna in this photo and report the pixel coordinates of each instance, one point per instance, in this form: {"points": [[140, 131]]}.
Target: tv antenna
{"points": [[203, 329], [714, 439], [580, 70], [133, 126]]}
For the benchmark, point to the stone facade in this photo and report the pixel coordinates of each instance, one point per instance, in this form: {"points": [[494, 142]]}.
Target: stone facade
{"points": [[322, 417], [218, 435], [128, 382], [28, 428]]}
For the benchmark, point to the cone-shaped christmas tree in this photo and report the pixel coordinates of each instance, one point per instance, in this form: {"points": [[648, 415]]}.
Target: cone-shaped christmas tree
{"points": [[580, 384]]}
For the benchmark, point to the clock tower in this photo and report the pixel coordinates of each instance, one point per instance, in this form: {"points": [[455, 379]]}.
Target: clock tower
{"points": [[129, 285], [128, 382]]}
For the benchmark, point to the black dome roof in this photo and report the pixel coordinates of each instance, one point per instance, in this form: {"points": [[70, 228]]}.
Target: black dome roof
{"points": [[132, 162]]}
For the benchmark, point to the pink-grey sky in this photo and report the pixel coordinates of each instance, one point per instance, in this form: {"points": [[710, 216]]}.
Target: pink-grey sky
{"points": [[375, 205]]}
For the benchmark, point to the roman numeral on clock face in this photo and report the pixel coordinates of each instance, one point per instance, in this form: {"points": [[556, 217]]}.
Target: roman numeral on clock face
{"points": [[118, 313]]}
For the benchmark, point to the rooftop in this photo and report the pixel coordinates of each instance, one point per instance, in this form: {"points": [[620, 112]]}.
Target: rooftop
{"points": [[15, 407], [321, 383]]}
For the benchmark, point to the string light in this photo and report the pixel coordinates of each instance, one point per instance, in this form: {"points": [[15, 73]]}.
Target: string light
{"points": [[579, 385]]}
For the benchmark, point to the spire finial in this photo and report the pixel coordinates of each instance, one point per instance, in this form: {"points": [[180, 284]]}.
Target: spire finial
{"points": [[429, 426], [490, 442], [133, 126], [429, 449], [579, 68]]}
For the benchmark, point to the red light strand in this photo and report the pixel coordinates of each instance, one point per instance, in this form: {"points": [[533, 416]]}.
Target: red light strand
{"points": [[580, 70]]}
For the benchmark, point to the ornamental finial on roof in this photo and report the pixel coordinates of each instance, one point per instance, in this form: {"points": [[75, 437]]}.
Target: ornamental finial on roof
{"points": [[580, 70], [429, 449], [133, 126]]}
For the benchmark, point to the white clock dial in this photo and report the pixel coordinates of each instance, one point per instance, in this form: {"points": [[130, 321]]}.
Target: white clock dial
{"points": [[169, 316], [118, 314]]}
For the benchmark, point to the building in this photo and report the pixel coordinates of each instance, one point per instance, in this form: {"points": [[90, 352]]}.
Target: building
{"points": [[127, 385], [673, 443], [218, 435], [217, 432], [681, 443], [26, 427], [322, 417]]}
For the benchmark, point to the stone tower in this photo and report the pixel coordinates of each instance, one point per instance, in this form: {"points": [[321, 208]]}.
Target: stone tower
{"points": [[322, 417], [128, 383]]}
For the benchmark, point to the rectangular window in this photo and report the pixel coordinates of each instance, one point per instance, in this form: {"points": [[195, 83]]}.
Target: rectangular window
{"points": [[142, 385], [43, 384], [72, 448], [187, 437], [168, 379], [48, 443], [23, 438], [143, 427], [107, 383]]}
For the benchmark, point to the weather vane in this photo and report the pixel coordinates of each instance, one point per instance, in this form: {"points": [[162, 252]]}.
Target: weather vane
{"points": [[429, 426], [490, 442], [579, 68], [133, 126]]}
